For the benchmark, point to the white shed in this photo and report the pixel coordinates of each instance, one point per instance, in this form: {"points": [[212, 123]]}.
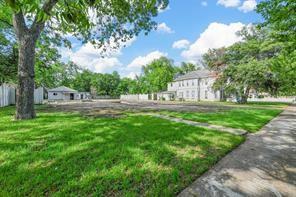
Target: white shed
{"points": [[63, 93]]}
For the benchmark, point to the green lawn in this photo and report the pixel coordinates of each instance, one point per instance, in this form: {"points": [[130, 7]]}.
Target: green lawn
{"points": [[277, 105], [267, 104], [66, 154], [250, 119]]}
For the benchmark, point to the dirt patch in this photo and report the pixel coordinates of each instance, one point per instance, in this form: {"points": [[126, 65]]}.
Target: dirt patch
{"points": [[89, 107]]}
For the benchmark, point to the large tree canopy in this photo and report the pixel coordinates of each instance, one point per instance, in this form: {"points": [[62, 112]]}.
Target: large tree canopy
{"points": [[187, 67], [157, 74], [48, 66], [95, 21], [247, 65], [280, 17], [265, 60]]}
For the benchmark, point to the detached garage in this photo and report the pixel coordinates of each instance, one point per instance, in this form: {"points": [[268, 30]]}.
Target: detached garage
{"points": [[63, 93]]}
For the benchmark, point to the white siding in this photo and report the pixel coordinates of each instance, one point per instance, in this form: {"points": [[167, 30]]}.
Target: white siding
{"points": [[56, 96], [206, 91], [195, 89]]}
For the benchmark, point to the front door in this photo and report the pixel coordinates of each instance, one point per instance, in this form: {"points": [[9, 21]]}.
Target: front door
{"points": [[71, 96]]}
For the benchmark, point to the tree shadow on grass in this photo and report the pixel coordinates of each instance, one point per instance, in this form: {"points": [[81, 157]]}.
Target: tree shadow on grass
{"points": [[67, 154], [248, 119]]}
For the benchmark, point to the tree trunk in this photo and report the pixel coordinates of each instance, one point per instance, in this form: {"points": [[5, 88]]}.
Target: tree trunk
{"points": [[245, 96], [244, 99], [25, 90], [27, 38]]}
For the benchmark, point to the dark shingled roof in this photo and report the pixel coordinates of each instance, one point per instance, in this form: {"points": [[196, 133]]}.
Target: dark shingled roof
{"points": [[195, 75]]}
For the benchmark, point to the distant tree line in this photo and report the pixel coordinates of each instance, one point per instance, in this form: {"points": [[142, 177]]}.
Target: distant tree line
{"points": [[153, 78]]}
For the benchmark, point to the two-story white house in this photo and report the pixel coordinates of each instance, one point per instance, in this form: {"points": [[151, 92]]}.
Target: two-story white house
{"points": [[193, 86]]}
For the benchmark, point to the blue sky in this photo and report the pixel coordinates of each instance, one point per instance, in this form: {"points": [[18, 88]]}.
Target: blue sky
{"points": [[186, 30]]}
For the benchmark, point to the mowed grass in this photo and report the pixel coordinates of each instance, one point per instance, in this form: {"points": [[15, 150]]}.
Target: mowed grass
{"points": [[65, 154], [252, 104], [250, 119]]}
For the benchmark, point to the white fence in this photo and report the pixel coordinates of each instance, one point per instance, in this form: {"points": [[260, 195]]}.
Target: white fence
{"points": [[129, 97], [8, 96], [143, 97], [105, 97], [39, 95], [288, 99], [135, 97]]}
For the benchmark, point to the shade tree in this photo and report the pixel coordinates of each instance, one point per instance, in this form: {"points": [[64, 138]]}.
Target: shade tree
{"points": [[94, 21]]}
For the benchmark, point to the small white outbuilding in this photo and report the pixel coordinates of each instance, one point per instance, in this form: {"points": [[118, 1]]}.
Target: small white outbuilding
{"points": [[63, 93]]}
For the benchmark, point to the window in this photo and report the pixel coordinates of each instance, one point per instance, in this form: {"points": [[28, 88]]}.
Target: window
{"points": [[55, 94], [215, 95], [206, 94], [192, 82], [171, 84], [180, 94], [193, 94], [179, 84], [206, 82], [187, 83], [187, 93], [182, 83]]}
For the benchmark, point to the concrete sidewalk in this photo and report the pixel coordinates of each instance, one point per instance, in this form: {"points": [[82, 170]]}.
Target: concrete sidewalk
{"points": [[202, 124], [265, 165]]}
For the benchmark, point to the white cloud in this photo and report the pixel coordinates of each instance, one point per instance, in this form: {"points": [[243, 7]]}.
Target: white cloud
{"points": [[162, 27], [229, 3], [181, 44], [89, 57], [248, 6], [204, 3], [132, 75], [140, 61], [215, 36]]}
